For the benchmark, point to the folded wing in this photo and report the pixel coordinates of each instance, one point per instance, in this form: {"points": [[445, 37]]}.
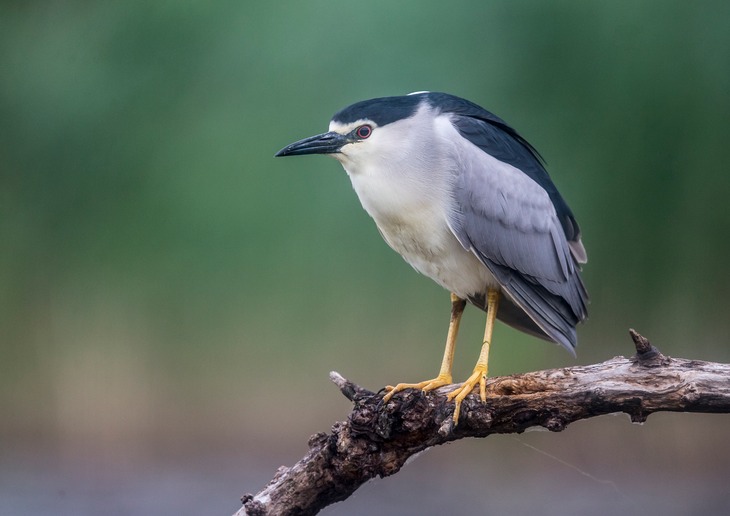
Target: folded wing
{"points": [[511, 216]]}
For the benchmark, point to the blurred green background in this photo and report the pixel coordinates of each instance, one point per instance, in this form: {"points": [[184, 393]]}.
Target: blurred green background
{"points": [[172, 298]]}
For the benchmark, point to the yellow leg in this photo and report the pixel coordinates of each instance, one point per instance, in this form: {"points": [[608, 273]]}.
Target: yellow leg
{"points": [[444, 376], [480, 369]]}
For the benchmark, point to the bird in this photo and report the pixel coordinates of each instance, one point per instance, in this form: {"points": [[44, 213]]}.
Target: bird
{"points": [[467, 202]]}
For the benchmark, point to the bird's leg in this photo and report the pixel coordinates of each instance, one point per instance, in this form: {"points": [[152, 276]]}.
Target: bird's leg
{"points": [[444, 376], [480, 369]]}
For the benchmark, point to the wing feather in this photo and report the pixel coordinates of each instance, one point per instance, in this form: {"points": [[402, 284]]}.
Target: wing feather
{"points": [[511, 216]]}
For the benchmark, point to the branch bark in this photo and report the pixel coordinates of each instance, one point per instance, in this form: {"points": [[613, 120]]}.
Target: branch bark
{"points": [[377, 438]]}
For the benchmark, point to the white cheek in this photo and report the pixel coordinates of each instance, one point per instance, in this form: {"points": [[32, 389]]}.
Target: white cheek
{"points": [[357, 157]]}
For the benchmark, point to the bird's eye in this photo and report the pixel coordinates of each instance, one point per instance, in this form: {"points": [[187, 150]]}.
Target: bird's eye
{"points": [[364, 131]]}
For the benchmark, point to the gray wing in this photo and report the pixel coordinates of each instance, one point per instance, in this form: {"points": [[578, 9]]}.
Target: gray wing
{"points": [[510, 222], [495, 137]]}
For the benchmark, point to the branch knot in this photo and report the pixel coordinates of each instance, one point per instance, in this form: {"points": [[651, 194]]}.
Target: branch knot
{"points": [[646, 354]]}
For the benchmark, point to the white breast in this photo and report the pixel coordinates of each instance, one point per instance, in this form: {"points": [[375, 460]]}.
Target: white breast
{"points": [[415, 226]]}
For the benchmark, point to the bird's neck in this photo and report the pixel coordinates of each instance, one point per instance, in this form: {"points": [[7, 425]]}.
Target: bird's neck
{"points": [[388, 195]]}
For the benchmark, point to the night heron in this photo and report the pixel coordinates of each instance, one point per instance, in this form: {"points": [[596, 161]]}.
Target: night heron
{"points": [[466, 201]]}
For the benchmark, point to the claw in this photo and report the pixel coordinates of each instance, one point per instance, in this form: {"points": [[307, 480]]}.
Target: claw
{"points": [[425, 386], [483, 387], [479, 376]]}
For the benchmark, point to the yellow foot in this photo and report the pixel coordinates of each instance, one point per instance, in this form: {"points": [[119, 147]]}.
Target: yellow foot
{"points": [[479, 376], [427, 385]]}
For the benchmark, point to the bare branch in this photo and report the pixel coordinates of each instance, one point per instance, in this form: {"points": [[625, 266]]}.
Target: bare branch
{"points": [[378, 438]]}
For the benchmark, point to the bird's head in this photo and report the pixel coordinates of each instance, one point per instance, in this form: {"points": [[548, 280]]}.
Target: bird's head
{"points": [[372, 132]]}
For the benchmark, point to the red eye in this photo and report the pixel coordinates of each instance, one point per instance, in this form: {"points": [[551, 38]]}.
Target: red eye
{"points": [[364, 131]]}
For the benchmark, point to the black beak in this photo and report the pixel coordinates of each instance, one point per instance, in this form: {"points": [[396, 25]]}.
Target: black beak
{"points": [[326, 143]]}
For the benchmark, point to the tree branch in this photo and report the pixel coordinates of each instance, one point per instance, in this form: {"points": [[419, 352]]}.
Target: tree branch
{"points": [[378, 438]]}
